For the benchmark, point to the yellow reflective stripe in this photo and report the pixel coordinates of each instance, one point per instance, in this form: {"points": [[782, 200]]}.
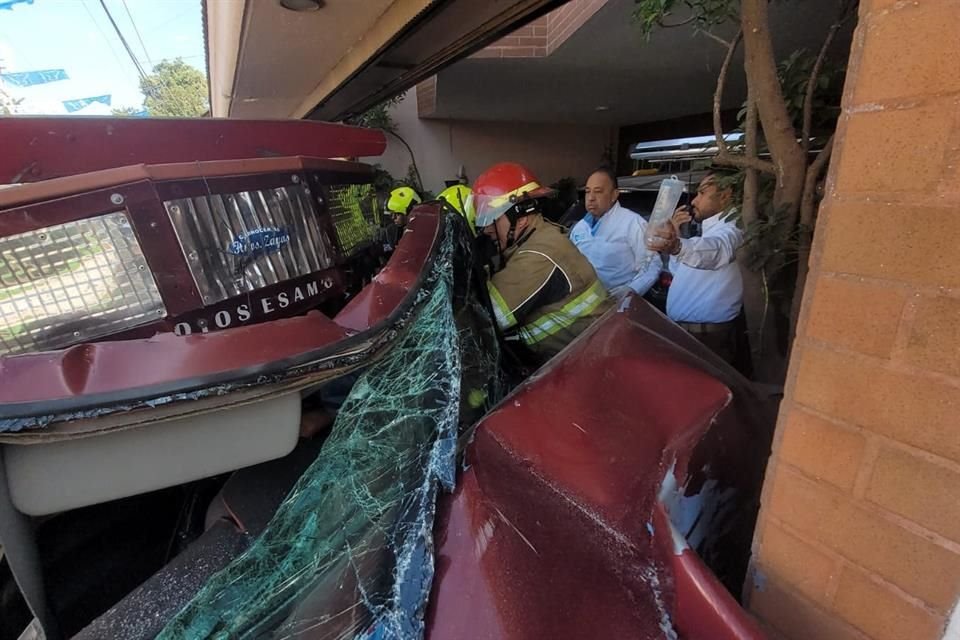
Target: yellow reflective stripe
{"points": [[505, 198], [551, 323], [501, 310]]}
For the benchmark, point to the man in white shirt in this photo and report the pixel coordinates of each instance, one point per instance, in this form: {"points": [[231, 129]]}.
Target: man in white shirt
{"points": [[706, 294], [611, 238]]}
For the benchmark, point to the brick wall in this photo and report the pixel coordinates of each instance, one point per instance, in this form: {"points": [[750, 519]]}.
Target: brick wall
{"points": [[529, 41], [427, 97], [859, 532], [543, 36], [563, 21]]}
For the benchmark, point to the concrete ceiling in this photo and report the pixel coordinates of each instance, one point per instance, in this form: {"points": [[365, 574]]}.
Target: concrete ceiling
{"points": [[269, 62], [283, 53], [606, 63]]}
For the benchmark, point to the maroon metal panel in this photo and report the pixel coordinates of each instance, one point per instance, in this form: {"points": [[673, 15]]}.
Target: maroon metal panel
{"points": [[121, 366], [396, 279], [39, 148], [557, 528]]}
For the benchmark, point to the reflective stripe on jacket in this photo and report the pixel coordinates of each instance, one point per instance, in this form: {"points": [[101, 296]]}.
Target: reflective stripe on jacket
{"points": [[547, 293]]}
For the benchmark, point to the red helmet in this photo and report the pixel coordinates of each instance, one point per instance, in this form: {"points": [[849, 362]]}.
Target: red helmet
{"points": [[500, 187]]}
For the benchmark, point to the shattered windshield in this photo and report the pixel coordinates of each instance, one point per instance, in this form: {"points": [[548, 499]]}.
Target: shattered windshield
{"points": [[349, 553]]}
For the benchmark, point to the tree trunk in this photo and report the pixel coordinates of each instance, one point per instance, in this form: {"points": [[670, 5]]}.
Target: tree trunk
{"points": [[808, 210], [761, 67], [788, 159], [766, 358]]}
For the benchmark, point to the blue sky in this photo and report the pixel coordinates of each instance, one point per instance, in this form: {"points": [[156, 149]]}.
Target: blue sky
{"points": [[76, 35]]}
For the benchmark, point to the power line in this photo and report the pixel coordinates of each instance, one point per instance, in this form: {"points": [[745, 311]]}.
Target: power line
{"points": [[137, 31], [113, 52], [126, 45]]}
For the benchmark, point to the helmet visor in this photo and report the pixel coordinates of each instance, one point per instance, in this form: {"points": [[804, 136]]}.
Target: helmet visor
{"points": [[490, 207]]}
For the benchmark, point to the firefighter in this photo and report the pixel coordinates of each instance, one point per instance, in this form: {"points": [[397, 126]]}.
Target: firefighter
{"points": [[401, 202], [543, 291], [457, 198]]}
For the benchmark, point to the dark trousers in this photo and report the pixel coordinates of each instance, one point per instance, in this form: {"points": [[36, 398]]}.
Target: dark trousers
{"points": [[726, 339]]}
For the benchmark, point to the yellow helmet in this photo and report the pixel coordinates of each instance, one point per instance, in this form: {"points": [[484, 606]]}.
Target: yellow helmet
{"points": [[402, 200], [458, 198]]}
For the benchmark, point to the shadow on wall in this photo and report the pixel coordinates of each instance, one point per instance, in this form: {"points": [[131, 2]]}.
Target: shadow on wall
{"points": [[552, 151]]}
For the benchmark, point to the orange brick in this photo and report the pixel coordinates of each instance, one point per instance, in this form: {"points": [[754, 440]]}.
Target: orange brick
{"points": [[917, 489], [934, 341], [898, 150], [796, 562], [912, 409], [875, 6], [931, 66], [895, 242], [857, 315], [882, 613], [531, 41], [797, 618], [821, 449], [913, 563], [519, 52]]}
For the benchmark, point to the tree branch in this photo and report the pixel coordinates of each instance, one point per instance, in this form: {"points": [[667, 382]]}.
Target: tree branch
{"points": [[812, 86], [808, 204], [808, 208], [718, 94], [761, 68], [413, 158], [682, 23], [713, 36], [751, 184], [749, 161], [744, 162]]}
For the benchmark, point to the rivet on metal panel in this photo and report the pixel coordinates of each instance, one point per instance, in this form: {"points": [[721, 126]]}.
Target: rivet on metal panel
{"points": [[174, 209], [116, 198], [140, 267], [192, 255], [76, 334], [295, 178]]}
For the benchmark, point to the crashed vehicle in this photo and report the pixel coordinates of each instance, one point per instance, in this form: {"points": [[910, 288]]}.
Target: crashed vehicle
{"points": [[175, 296]]}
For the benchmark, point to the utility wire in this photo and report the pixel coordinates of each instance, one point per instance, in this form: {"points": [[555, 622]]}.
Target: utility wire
{"points": [[103, 34], [133, 57], [137, 31]]}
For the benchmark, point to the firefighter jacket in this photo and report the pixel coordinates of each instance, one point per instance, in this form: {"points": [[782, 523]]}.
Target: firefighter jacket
{"points": [[547, 292]]}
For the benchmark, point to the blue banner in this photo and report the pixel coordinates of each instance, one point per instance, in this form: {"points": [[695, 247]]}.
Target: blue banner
{"points": [[30, 78], [80, 103], [8, 4]]}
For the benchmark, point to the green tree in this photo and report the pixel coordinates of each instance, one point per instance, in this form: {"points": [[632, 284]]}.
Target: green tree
{"points": [[787, 105], [378, 117], [175, 89], [124, 111], [8, 105]]}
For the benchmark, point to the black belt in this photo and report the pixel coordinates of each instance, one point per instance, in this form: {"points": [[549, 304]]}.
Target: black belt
{"points": [[708, 327]]}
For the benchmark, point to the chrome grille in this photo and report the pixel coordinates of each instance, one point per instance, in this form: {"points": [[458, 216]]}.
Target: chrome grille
{"points": [[240, 242]]}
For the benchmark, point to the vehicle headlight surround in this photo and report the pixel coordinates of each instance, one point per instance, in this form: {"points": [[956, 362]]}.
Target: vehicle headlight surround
{"points": [[73, 282]]}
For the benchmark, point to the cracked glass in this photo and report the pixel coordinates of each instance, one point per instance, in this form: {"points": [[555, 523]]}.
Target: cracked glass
{"points": [[349, 553]]}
